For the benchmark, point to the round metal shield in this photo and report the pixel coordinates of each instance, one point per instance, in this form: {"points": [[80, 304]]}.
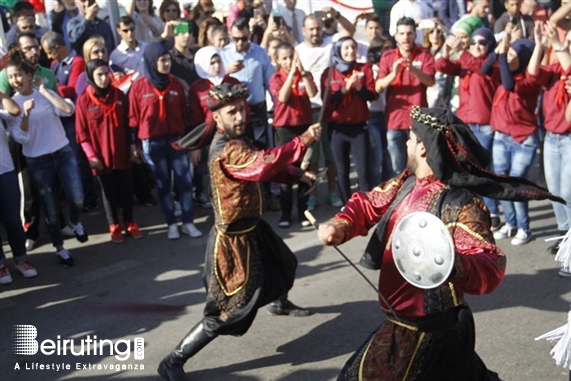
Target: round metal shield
{"points": [[423, 250]]}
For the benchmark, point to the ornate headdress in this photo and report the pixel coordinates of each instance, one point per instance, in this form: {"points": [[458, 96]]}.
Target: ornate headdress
{"points": [[224, 94], [458, 159]]}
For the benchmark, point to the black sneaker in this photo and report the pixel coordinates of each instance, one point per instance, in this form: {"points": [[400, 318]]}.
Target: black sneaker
{"points": [[553, 249], [80, 232], [286, 308], [65, 258]]}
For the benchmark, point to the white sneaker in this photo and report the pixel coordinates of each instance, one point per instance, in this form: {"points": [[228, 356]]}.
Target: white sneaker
{"points": [[522, 237], [5, 276], [173, 232], [177, 209], [26, 269], [505, 232], [30, 244], [191, 230]]}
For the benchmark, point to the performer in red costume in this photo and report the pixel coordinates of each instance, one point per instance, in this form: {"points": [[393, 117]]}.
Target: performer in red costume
{"points": [[432, 335], [247, 264]]}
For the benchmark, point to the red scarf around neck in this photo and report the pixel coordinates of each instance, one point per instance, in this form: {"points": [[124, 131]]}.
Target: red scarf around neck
{"points": [[294, 89], [109, 106], [398, 80], [161, 94], [560, 95]]}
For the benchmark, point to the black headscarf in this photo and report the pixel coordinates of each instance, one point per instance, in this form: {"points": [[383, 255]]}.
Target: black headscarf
{"points": [[90, 67], [458, 159], [153, 52], [340, 64]]}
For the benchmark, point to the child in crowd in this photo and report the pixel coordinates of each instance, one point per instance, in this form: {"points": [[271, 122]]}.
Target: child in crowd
{"points": [[291, 87]]}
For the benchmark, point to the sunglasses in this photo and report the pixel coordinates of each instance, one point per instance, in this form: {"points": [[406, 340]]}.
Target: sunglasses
{"points": [[243, 39], [127, 30], [479, 42]]}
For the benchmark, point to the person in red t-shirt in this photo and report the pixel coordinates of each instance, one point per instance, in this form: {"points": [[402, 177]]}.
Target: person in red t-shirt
{"points": [[404, 73], [515, 125], [557, 142], [102, 129], [351, 85], [159, 108], [476, 91], [291, 87]]}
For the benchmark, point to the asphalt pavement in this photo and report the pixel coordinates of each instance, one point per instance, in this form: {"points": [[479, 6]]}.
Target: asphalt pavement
{"points": [[152, 289]]}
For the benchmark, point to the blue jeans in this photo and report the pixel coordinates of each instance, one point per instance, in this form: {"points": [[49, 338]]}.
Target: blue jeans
{"points": [[396, 144], [557, 168], [162, 158], [514, 159], [45, 171], [485, 135], [10, 216], [379, 153]]}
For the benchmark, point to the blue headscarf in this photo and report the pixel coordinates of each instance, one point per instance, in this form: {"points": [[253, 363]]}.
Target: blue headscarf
{"points": [[339, 63], [153, 52], [524, 48], [488, 35]]}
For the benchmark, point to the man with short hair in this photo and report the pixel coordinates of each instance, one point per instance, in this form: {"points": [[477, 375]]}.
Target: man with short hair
{"points": [[481, 9], [66, 64], [404, 73], [128, 55], [86, 24], [247, 264], [29, 46], [250, 64], [23, 20], [513, 20]]}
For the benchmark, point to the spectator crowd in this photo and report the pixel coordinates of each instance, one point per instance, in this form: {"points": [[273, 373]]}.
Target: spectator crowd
{"points": [[90, 120]]}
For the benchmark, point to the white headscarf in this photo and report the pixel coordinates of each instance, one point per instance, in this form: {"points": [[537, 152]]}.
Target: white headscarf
{"points": [[202, 60]]}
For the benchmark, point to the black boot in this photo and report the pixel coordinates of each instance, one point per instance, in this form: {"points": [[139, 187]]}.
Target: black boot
{"points": [[283, 306], [171, 368]]}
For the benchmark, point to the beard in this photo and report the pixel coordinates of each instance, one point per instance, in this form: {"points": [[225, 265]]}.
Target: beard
{"points": [[411, 163], [233, 133]]}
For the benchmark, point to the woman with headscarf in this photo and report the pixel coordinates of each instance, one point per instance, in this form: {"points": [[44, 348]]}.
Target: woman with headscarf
{"points": [[351, 85], [102, 129], [476, 90], [158, 108], [210, 69], [515, 125]]}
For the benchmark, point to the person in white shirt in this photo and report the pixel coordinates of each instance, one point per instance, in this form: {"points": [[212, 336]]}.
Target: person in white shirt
{"points": [[315, 53], [293, 17], [10, 196], [418, 10], [47, 151], [128, 55]]}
